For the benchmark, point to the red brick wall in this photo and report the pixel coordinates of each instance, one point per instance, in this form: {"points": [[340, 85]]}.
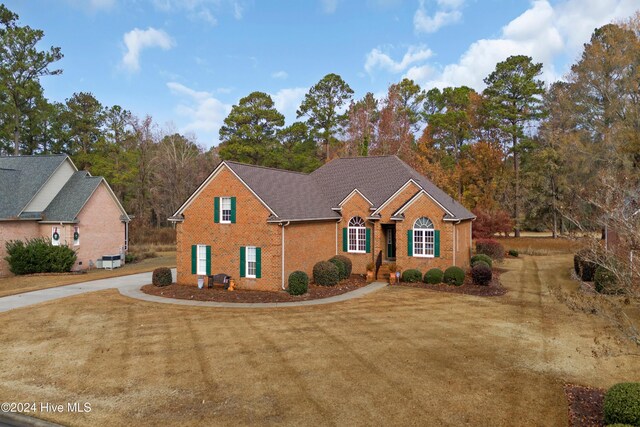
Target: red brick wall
{"points": [[14, 230], [463, 244], [307, 243], [357, 206], [251, 229]]}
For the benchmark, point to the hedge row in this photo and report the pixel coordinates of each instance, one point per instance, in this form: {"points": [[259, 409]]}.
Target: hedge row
{"points": [[38, 256]]}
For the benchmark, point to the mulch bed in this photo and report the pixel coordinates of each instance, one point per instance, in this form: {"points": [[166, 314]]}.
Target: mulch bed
{"points": [[585, 405], [219, 294], [493, 289]]}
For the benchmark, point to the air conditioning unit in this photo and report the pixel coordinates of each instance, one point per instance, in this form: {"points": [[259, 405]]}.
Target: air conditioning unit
{"points": [[109, 262]]}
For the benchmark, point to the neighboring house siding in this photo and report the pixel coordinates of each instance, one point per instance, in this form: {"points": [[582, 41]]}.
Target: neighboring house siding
{"points": [[101, 229], [51, 188], [14, 230], [424, 206], [251, 229], [307, 243], [356, 206]]}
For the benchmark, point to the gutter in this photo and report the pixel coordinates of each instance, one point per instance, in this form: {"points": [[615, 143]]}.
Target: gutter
{"points": [[283, 225]]}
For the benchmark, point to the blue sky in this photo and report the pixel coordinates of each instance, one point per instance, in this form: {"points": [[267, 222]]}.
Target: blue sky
{"points": [[186, 62]]}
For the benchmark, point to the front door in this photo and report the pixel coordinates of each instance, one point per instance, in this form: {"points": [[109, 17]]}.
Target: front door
{"points": [[391, 243]]}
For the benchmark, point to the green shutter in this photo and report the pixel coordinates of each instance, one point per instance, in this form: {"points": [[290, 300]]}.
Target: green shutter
{"points": [[233, 210], [345, 243], [410, 242], [368, 241], [243, 261], [216, 209], [208, 260], [258, 263], [436, 249], [194, 259]]}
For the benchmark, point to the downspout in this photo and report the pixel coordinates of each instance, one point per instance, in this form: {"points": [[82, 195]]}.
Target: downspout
{"points": [[337, 222], [283, 225]]}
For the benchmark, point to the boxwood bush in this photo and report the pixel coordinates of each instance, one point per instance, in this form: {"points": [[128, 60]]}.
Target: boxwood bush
{"points": [[490, 247], [622, 404], [342, 268], [605, 281], [161, 277], [481, 273], [38, 256], [347, 262], [433, 276], [411, 275], [326, 273], [481, 257], [514, 253], [453, 276], [298, 283]]}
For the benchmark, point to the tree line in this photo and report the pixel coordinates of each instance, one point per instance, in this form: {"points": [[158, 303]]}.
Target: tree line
{"points": [[521, 154]]}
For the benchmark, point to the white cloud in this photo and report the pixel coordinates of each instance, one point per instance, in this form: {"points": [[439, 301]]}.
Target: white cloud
{"points": [[137, 40], [545, 32], [329, 6], [279, 75], [288, 100], [202, 10], [203, 113], [448, 12], [378, 59], [238, 10]]}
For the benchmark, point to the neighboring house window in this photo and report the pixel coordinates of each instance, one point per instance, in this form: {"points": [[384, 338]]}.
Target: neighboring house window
{"points": [[423, 238], [357, 235], [56, 235], [225, 210], [76, 236], [251, 261], [202, 260]]}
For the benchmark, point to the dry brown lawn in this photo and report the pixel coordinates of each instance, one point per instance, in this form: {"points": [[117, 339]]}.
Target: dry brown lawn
{"points": [[401, 356], [19, 284], [542, 245]]}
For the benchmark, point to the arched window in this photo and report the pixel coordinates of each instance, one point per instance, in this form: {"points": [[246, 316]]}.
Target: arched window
{"points": [[423, 237], [357, 235]]}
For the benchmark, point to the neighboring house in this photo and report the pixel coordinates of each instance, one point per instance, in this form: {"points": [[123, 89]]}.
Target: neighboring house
{"points": [[259, 224], [47, 196]]}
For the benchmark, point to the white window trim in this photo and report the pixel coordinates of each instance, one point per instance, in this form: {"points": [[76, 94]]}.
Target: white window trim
{"points": [[198, 271], [424, 243], [246, 262], [222, 221], [359, 230]]}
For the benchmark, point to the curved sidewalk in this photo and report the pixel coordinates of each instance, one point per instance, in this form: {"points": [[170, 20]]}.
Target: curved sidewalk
{"points": [[135, 292], [130, 286]]}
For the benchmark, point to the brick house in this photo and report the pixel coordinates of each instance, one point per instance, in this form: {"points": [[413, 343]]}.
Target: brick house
{"points": [[259, 224], [47, 196]]}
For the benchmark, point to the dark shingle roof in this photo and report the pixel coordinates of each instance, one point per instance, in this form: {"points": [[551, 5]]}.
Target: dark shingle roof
{"points": [[293, 195], [21, 177], [72, 197]]}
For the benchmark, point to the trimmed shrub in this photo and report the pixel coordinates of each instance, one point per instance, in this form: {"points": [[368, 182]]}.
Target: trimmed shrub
{"points": [[411, 275], [481, 257], [298, 283], [453, 276], [161, 277], [433, 276], [490, 247], [326, 273], [605, 281], [585, 270], [342, 268], [481, 262], [513, 253], [481, 274], [38, 256], [347, 262], [622, 404]]}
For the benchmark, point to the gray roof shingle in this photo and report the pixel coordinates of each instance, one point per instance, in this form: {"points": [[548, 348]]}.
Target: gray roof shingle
{"points": [[67, 204], [21, 177], [297, 196]]}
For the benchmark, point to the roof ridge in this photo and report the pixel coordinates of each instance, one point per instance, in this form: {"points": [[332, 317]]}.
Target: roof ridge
{"points": [[35, 155], [264, 167]]}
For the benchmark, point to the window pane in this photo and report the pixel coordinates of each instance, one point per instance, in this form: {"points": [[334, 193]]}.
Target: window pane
{"points": [[353, 237], [362, 239], [202, 259], [225, 205], [418, 242], [429, 242], [251, 261]]}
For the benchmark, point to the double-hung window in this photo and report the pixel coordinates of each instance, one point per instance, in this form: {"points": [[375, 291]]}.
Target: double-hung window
{"points": [[357, 233], [201, 260], [423, 238], [251, 261], [225, 210]]}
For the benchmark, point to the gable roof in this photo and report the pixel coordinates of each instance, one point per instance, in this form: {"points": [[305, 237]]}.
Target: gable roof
{"points": [[21, 177], [294, 196]]}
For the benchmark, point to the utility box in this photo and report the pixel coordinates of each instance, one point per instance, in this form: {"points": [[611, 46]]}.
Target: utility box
{"points": [[109, 262]]}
